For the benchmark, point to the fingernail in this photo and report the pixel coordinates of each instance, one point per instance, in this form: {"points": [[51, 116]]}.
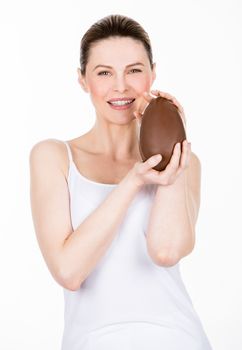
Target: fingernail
{"points": [[159, 156]]}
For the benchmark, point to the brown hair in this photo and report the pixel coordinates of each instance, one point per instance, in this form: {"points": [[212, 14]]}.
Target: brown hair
{"points": [[111, 26]]}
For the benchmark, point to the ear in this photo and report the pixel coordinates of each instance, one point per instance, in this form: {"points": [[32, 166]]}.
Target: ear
{"points": [[153, 73], [82, 80]]}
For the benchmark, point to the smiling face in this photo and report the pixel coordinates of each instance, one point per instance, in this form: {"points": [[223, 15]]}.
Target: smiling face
{"points": [[118, 68]]}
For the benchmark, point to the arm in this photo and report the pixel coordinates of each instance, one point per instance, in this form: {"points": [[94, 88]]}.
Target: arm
{"points": [[71, 255], [171, 227]]}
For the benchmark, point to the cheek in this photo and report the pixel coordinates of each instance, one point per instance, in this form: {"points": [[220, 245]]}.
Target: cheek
{"points": [[142, 84], [98, 87]]}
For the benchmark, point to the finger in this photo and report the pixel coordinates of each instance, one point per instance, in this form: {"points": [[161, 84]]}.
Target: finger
{"points": [[155, 92], [182, 115], [148, 96], [138, 115], [184, 155], [174, 100], [162, 93], [173, 165], [144, 101], [150, 163], [189, 153], [169, 97], [180, 109]]}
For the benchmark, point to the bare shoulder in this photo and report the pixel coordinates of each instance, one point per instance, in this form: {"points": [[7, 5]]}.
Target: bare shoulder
{"points": [[48, 146], [49, 153]]}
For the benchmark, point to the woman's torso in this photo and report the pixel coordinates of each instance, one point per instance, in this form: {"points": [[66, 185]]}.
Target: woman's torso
{"points": [[126, 289]]}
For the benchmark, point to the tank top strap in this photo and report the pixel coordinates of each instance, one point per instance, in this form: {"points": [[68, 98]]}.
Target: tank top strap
{"points": [[69, 151]]}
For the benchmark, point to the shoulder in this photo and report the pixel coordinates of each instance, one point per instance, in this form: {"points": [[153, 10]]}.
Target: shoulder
{"points": [[48, 153], [45, 145]]}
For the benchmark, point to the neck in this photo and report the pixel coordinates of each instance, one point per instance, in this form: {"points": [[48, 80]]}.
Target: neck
{"points": [[117, 142]]}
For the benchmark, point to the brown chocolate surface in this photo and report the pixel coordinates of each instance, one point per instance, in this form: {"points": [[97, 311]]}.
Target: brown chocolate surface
{"points": [[161, 128]]}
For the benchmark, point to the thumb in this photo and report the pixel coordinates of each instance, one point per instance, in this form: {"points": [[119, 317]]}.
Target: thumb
{"points": [[138, 116], [151, 162]]}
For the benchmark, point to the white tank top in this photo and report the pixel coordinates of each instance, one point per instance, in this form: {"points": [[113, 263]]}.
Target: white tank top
{"points": [[126, 288]]}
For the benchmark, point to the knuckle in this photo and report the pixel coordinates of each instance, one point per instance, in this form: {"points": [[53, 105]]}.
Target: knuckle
{"points": [[166, 182], [137, 167], [173, 167]]}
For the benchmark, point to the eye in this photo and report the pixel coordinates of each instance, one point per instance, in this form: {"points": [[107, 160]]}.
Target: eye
{"points": [[135, 70], [103, 73]]}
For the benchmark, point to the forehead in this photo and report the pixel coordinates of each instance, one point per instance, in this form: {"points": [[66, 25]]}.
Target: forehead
{"points": [[112, 51]]}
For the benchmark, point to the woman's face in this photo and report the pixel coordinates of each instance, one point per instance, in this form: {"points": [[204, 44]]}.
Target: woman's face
{"points": [[117, 68]]}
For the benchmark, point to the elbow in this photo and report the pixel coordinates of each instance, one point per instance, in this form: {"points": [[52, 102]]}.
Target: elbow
{"points": [[167, 258], [170, 254], [170, 257], [69, 282], [70, 285]]}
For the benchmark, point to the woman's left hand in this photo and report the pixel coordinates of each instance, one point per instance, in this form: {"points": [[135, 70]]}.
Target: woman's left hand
{"points": [[156, 93], [181, 155]]}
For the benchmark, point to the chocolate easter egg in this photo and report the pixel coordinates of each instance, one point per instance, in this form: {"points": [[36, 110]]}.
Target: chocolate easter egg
{"points": [[161, 128]]}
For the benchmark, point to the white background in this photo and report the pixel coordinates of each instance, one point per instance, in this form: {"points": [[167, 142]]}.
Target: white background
{"points": [[197, 49]]}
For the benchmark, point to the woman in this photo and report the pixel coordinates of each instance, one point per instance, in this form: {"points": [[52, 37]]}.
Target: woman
{"points": [[112, 229]]}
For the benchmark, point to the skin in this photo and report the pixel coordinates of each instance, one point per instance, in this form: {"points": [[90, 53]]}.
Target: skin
{"points": [[114, 134], [112, 143]]}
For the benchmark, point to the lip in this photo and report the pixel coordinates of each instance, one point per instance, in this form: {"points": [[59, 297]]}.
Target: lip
{"points": [[120, 108], [121, 99]]}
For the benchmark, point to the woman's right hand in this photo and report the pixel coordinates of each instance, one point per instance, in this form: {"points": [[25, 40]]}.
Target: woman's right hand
{"points": [[143, 173]]}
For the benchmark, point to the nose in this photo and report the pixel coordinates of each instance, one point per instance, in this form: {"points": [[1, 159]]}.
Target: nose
{"points": [[120, 84]]}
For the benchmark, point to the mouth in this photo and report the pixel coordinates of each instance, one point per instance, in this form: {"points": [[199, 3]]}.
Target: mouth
{"points": [[121, 102]]}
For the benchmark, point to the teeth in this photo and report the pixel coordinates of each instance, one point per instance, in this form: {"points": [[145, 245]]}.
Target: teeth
{"points": [[121, 103]]}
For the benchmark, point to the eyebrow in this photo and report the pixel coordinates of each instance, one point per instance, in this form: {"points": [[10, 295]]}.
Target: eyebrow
{"points": [[129, 65]]}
